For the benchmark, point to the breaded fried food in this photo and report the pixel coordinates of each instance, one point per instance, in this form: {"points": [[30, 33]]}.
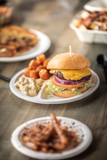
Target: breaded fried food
{"points": [[40, 67], [41, 58], [34, 74], [19, 37], [44, 74], [45, 63], [33, 64], [27, 72], [7, 51]]}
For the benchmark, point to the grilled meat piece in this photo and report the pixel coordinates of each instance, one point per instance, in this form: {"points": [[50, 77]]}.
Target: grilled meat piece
{"points": [[60, 75], [7, 51]]}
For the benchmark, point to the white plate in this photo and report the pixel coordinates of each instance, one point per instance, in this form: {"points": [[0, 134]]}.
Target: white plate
{"points": [[42, 46], [96, 5], [88, 36], [83, 132], [43, 98]]}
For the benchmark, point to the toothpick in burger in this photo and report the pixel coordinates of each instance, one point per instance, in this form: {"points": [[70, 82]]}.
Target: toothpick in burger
{"points": [[72, 75]]}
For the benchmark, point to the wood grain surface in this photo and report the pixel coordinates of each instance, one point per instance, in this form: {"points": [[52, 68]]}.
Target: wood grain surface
{"points": [[52, 18]]}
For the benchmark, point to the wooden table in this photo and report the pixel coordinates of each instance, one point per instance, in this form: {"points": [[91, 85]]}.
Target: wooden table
{"points": [[53, 19]]}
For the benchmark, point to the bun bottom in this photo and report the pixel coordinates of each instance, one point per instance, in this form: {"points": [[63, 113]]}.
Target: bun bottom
{"points": [[67, 94]]}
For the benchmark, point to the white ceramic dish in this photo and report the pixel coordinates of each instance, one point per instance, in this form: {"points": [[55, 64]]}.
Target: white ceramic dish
{"points": [[83, 132], [43, 98], [42, 46], [89, 36], [96, 5]]}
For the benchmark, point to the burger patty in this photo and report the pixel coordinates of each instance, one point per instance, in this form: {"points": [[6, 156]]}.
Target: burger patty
{"points": [[60, 75]]}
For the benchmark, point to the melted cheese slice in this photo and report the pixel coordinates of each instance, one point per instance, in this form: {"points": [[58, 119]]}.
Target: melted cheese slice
{"points": [[73, 74]]}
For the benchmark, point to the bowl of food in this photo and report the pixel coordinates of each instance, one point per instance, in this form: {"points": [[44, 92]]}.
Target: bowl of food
{"points": [[18, 37], [18, 43], [90, 27]]}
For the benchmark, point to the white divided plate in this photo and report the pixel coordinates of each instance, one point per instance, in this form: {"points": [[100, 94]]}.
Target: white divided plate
{"points": [[42, 46], [43, 98], [82, 130], [96, 5]]}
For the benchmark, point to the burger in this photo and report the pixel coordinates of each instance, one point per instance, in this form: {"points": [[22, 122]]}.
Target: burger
{"points": [[71, 75]]}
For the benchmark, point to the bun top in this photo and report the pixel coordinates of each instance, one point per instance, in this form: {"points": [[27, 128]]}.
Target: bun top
{"points": [[65, 61]]}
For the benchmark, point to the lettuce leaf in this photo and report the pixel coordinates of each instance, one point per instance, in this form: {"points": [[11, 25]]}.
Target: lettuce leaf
{"points": [[52, 88], [77, 93]]}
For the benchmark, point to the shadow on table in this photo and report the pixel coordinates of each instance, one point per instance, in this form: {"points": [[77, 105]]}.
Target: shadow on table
{"points": [[86, 153], [92, 148]]}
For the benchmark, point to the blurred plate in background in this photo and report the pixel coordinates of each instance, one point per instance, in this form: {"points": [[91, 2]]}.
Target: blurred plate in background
{"points": [[42, 46]]}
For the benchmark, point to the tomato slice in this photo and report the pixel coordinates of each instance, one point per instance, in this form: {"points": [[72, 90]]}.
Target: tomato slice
{"points": [[67, 86]]}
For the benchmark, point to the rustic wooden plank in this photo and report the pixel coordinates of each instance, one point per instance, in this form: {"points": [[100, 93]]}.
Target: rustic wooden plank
{"points": [[91, 110]]}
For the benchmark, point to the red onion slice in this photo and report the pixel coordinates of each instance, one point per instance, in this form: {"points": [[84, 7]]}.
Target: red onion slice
{"points": [[71, 82]]}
